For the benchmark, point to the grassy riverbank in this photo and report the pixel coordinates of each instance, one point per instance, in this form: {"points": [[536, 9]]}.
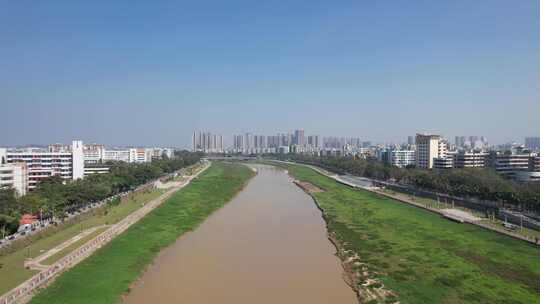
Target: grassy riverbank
{"points": [[12, 271], [423, 257], [106, 275]]}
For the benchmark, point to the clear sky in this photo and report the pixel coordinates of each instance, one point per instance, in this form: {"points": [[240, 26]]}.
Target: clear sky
{"points": [[151, 72]]}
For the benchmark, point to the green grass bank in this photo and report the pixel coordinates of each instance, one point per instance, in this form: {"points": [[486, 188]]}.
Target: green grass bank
{"points": [[107, 274], [12, 271], [423, 257]]}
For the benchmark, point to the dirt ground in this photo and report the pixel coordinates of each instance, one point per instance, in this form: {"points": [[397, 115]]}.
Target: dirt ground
{"points": [[308, 187]]}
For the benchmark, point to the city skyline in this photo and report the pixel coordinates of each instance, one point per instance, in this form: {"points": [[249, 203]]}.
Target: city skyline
{"points": [[149, 74], [229, 139]]}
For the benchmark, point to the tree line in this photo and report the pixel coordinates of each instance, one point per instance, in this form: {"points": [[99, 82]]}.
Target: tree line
{"points": [[480, 183], [55, 195]]}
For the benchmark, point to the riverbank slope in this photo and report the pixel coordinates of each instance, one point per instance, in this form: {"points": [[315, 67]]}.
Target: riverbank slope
{"points": [[420, 256]]}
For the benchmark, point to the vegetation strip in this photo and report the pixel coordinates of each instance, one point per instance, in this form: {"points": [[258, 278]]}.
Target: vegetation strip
{"points": [[12, 260], [480, 183], [49, 273], [420, 256], [106, 275]]}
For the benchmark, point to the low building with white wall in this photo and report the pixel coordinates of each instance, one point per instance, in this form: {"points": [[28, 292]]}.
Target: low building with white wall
{"points": [[116, 155], [401, 158], [93, 153], [96, 169]]}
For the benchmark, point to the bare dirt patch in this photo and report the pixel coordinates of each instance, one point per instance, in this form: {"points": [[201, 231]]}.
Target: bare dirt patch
{"points": [[308, 187]]}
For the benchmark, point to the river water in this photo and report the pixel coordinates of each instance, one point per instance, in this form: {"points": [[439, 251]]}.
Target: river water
{"points": [[268, 245]]}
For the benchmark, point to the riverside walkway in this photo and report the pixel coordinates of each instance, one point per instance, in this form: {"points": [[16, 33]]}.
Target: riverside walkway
{"points": [[23, 293]]}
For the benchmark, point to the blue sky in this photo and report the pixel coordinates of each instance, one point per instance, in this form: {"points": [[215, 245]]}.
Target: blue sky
{"points": [[151, 72]]}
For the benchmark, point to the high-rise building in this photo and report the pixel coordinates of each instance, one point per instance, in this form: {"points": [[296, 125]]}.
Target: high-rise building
{"points": [[259, 141], [460, 141], [314, 141], [249, 143], [273, 141], [299, 138], [207, 142], [238, 143], [410, 140], [429, 147], [471, 142], [285, 139], [532, 142]]}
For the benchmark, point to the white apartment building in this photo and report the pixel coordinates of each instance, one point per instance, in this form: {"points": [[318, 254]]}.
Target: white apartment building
{"points": [[315, 141], [116, 155], [522, 167], [429, 147], [14, 176], [401, 158], [66, 162]]}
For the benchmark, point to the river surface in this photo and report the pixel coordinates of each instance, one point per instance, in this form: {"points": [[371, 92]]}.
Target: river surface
{"points": [[268, 245]]}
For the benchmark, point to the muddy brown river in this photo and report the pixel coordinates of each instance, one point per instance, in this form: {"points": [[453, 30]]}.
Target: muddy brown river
{"points": [[268, 245]]}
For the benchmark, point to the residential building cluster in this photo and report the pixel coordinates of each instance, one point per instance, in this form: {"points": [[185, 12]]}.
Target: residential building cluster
{"points": [[296, 142], [520, 163], [207, 142], [23, 168], [532, 143], [425, 151]]}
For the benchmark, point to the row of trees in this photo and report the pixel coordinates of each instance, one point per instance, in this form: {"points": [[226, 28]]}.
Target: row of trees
{"points": [[56, 196], [480, 183]]}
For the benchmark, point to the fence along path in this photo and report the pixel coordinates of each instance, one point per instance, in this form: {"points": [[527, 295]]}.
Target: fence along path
{"points": [[24, 291]]}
